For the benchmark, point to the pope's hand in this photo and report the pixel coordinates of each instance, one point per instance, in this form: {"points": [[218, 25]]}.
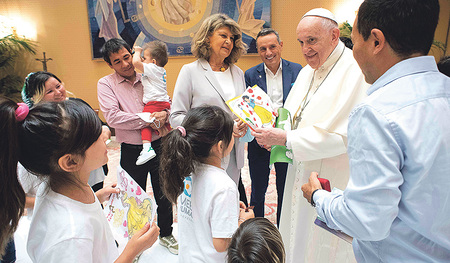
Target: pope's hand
{"points": [[270, 136]]}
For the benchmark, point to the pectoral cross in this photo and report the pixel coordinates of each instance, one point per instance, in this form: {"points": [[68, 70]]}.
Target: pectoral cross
{"points": [[296, 120], [44, 61]]}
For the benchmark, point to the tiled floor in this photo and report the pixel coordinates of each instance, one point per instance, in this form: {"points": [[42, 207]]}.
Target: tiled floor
{"points": [[156, 253]]}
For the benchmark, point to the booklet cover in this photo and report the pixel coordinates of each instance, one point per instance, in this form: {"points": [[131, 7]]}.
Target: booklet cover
{"points": [[279, 153], [338, 233], [319, 222], [128, 211], [253, 107]]}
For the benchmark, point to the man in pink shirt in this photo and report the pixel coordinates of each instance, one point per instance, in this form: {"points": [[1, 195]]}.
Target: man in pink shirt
{"points": [[120, 97]]}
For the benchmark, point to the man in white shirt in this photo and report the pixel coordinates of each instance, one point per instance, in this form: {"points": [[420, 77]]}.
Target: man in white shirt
{"points": [[320, 102], [275, 76]]}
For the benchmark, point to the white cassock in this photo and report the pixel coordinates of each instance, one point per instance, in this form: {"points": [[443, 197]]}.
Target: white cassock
{"points": [[319, 144]]}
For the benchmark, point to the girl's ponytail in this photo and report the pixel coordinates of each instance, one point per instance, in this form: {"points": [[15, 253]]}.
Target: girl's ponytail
{"points": [[12, 196], [177, 163], [190, 144]]}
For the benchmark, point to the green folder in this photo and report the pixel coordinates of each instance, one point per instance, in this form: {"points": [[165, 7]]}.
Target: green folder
{"points": [[278, 152]]}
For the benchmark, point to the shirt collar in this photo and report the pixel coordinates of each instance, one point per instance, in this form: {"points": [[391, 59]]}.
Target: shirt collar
{"points": [[333, 57], [268, 71], [403, 68], [121, 79]]}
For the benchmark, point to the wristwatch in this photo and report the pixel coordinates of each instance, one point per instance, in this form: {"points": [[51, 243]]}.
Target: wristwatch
{"points": [[312, 198]]}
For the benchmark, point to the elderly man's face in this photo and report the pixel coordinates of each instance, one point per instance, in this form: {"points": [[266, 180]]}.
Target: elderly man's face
{"points": [[316, 41]]}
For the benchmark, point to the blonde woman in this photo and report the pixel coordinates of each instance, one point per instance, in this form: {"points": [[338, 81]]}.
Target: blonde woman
{"points": [[42, 86], [213, 79]]}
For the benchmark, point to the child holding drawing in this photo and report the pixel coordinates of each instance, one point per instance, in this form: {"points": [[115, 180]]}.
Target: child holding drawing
{"points": [[209, 211], [68, 224]]}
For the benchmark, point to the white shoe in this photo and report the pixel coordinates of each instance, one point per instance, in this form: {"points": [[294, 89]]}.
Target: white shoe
{"points": [[170, 243], [145, 156]]}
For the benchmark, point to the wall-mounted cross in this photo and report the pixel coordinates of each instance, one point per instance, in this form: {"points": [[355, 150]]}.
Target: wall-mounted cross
{"points": [[44, 61]]}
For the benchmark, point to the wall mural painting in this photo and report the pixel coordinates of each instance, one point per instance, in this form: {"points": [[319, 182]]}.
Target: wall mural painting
{"points": [[173, 21]]}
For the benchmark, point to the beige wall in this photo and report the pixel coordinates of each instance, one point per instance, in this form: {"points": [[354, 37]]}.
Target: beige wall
{"points": [[63, 33]]}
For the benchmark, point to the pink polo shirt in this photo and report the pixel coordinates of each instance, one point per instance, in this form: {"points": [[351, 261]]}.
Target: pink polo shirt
{"points": [[120, 100]]}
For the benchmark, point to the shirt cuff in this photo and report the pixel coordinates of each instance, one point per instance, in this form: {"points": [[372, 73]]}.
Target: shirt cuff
{"points": [[288, 141], [318, 196]]}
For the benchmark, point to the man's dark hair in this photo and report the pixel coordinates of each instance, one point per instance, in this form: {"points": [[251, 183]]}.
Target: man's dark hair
{"points": [[444, 65], [158, 51], [113, 46], [347, 42], [408, 25], [268, 31]]}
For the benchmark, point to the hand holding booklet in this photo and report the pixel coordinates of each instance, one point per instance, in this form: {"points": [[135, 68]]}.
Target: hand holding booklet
{"points": [[255, 108], [320, 222]]}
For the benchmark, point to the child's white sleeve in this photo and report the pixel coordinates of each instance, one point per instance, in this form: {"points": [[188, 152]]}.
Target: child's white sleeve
{"points": [[225, 213], [70, 251], [151, 70]]}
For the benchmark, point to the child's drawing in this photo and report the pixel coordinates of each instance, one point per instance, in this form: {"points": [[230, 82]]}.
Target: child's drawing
{"points": [[254, 107], [128, 211]]}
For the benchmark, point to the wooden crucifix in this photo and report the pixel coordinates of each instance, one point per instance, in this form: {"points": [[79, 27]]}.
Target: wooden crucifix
{"points": [[44, 61]]}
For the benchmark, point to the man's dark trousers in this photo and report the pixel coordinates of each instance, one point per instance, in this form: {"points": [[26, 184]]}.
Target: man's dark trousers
{"points": [[128, 156]]}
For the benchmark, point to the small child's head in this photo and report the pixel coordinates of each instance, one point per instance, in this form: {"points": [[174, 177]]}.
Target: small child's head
{"points": [[256, 240], [156, 50], [203, 129], [54, 138]]}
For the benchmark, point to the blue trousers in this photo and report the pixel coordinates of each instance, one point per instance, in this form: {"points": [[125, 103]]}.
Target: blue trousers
{"points": [[258, 162]]}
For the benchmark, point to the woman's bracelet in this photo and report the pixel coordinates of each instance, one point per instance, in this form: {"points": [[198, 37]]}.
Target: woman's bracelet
{"points": [[241, 220]]}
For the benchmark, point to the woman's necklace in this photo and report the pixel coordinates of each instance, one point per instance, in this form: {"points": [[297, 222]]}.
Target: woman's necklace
{"points": [[219, 67], [304, 103]]}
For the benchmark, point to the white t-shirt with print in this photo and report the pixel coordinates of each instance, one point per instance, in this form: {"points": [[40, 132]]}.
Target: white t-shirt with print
{"points": [[154, 82], [208, 207], [65, 230]]}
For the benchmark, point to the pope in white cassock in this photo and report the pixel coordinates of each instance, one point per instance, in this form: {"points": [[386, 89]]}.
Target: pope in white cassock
{"points": [[325, 92]]}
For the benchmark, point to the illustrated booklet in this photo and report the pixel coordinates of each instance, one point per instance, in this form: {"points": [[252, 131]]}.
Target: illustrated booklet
{"points": [[254, 107], [279, 153], [128, 211]]}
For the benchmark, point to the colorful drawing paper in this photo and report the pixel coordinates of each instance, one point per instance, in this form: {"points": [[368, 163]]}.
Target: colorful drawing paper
{"points": [[128, 211], [253, 107]]}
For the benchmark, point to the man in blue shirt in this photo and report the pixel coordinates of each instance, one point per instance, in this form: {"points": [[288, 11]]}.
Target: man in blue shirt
{"points": [[274, 76], [397, 202]]}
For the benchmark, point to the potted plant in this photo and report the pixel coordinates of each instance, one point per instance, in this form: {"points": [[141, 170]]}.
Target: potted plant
{"points": [[15, 62]]}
